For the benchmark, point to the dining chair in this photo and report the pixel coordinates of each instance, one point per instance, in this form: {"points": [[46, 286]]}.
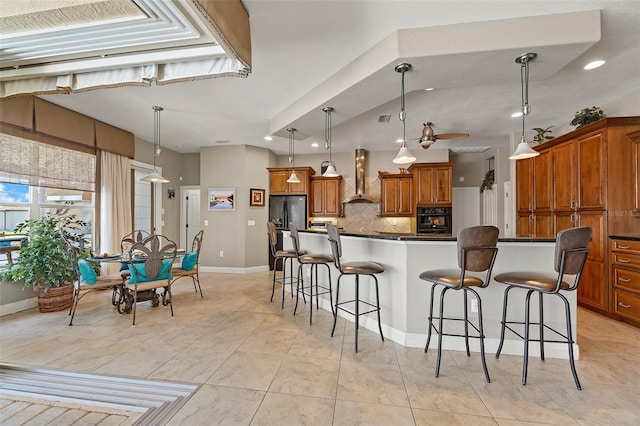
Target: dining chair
{"points": [[190, 263], [86, 279], [150, 266], [125, 245]]}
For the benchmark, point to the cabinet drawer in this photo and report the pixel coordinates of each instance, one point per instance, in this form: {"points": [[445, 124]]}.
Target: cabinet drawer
{"points": [[624, 259], [627, 305], [626, 246], [627, 279]]}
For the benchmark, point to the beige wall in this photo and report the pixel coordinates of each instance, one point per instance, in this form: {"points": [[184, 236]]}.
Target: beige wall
{"points": [[190, 169]]}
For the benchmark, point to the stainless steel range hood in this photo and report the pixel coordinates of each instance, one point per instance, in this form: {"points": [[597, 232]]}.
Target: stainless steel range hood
{"points": [[362, 156]]}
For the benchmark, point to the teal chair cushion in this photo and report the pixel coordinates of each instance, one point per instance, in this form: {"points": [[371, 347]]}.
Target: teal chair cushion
{"points": [[189, 261], [87, 274], [138, 274]]}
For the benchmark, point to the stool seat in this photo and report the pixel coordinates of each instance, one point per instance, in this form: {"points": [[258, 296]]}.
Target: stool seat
{"points": [[532, 281], [312, 258], [365, 268], [450, 278]]}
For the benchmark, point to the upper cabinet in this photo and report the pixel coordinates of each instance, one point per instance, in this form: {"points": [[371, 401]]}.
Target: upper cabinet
{"points": [[396, 194], [278, 184], [325, 196], [432, 183]]}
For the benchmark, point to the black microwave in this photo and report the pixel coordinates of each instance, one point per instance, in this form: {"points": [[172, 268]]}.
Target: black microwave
{"points": [[433, 220]]}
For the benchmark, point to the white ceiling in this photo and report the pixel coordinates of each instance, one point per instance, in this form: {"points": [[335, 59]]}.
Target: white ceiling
{"points": [[334, 46]]}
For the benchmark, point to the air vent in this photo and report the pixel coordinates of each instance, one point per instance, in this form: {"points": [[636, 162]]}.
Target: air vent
{"points": [[222, 141], [384, 118], [469, 149]]}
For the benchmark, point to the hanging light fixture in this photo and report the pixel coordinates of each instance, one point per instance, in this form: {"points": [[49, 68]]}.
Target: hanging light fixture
{"points": [[293, 178], [524, 150], [331, 169], [404, 155], [155, 177]]}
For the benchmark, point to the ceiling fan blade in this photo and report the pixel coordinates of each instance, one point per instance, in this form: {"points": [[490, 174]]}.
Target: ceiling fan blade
{"points": [[451, 135]]}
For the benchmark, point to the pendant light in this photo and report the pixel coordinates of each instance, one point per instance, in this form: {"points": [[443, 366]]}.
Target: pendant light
{"points": [[331, 169], [524, 150], [155, 177], [404, 155], [293, 178]]}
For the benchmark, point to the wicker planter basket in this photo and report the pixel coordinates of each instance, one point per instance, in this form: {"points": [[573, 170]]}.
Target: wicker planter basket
{"points": [[56, 299]]}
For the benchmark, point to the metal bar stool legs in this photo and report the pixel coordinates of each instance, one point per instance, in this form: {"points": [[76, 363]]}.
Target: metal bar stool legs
{"points": [[283, 279], [301, 289]]}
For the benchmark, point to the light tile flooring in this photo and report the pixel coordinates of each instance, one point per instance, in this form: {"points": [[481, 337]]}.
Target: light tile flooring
{"points": [[260, 365]]}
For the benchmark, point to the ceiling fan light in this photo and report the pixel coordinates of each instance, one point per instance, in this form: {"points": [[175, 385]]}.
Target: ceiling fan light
{"points": [[293, 178], [404, 156], [154, 178], [523, 151], [331, 171], [426, 143]]}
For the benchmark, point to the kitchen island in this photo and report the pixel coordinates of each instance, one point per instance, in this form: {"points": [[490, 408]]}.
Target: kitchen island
{"points": [[404, 298]]}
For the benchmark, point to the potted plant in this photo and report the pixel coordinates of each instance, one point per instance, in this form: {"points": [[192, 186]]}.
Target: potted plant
{"points": [[487, 183], [587, 116], [44, 262], [540, 137]]}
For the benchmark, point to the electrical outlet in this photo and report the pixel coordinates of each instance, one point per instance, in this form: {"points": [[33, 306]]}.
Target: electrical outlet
{"points": [[474, 305], [222, 255]]}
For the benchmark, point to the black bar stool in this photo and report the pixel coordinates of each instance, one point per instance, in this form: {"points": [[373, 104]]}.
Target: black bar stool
{"points": [[357, 269], [570, 257], [314, 260], [284, 256], [476, 253]]}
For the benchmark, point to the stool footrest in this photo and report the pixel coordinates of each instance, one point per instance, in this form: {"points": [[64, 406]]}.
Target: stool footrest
{"points": [[306, 292], [452, 319], [352, 311], [566, 339]]}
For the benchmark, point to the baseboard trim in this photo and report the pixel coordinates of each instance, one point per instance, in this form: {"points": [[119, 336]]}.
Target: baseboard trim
{"points": [[21, 305], [234, 270]]}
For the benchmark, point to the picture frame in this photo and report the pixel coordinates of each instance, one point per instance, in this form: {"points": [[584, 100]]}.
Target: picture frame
{"points": [[221, 199], [256, 197]]}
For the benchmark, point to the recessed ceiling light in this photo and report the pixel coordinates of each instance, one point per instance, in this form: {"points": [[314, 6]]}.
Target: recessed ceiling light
{"points": [[268, 138], [399, 140], [516, 114], [594, 64], [178, 146], [315, 144], [428, 89]]}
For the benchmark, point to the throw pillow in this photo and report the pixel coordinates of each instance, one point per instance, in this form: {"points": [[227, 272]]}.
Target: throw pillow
{"points": [[139, 275], [87, 274], [189, 261]]}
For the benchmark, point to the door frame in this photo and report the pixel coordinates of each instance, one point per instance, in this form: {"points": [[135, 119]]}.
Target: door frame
{"points": [[183, 213]]}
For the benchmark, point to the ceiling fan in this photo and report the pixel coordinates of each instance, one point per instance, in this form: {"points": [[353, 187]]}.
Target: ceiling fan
{"points": [[429, 136]]}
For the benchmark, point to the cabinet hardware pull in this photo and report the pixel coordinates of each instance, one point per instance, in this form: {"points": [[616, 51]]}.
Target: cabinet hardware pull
{"points": [[623, 260], [622, 305], [623, 247], [624, 280]]}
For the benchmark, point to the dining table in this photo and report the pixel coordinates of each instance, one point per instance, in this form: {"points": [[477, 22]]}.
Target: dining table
{"points": [[8, 246]]}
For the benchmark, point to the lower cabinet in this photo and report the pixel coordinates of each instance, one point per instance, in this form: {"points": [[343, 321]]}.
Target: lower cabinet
{"points": [[625, 277]]}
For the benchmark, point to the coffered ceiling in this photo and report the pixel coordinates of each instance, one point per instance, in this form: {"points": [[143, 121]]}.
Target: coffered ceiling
{"points": [[308, 54]]}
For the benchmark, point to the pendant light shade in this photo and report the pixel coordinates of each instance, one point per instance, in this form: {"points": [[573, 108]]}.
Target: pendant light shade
{"points": [[155, 177], [404, 155], [524, 150], [293, 178], [331, 168]]}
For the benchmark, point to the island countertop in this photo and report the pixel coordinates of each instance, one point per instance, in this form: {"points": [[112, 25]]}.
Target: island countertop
{"points": [[423, 237]]}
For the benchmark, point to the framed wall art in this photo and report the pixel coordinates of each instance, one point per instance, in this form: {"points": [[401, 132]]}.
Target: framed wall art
{"points": [[257, 197], [222, 199]]}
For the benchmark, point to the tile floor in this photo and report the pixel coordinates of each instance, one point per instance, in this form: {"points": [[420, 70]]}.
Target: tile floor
{"points": [[260, 365]]}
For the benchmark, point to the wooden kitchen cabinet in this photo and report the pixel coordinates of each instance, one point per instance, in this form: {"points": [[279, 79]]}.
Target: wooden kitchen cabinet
{"points": [[278, 184], [397, 195], [524, 177], [625, 277], [535, 225], [325, 196], [432, 183]]}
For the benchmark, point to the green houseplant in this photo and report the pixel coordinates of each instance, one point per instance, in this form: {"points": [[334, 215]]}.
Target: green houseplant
{"points": [[488, 181], [587, 116], [44, 262], [541, 135]]}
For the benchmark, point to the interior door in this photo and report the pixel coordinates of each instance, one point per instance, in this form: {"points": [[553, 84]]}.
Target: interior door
{"points": [[190, 215]]}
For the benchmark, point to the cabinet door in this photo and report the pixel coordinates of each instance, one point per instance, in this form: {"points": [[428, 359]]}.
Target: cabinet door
{"points": [[389, 199], [405, 196], [526, 227], [544, 225], [278, 182], [636, 162], [332, 197], [543, 181], [597, 245], [524, 179], [423, 178], [442, 192], [564, 220], [317, 202], [301, 187], [564, 185], [591, 172], [592, 290]]}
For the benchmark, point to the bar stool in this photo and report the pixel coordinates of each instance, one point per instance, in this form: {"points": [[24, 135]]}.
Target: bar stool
{"points": [[284, 256], [476, 253], [357, 269], [314, 260], [570, 256]]}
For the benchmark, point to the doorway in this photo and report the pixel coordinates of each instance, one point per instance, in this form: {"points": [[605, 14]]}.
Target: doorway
{"points": [[189, 215]]}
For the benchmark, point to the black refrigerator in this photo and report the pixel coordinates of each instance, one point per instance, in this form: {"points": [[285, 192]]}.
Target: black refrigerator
{"points": [[282, 210]]}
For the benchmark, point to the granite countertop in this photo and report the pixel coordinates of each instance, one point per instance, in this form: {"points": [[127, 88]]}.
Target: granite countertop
{"points": [[625, 237], [423, 237]]}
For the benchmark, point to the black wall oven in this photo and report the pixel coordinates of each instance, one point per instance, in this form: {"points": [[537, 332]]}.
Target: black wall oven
{"points": [[433, 220]]}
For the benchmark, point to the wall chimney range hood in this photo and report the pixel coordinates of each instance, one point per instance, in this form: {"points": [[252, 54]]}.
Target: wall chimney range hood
{"points": [[362, 156]]}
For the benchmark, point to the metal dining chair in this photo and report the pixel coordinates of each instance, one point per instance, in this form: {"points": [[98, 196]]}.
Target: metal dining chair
{"points": [[190, 264]]}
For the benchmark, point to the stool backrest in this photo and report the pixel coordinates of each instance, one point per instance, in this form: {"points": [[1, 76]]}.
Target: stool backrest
{"points": [[336, 246], [132, 238], [273, 237], [571, 250], [477, 247], [295, 239]]}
